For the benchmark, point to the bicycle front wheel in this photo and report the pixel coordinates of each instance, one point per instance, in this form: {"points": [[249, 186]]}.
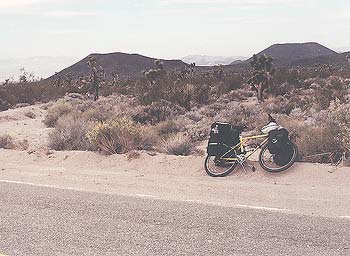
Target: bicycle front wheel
{"points": [[270, 162], [216, 167]]}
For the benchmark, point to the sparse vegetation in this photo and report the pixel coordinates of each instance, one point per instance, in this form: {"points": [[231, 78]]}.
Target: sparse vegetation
{"points": [[70, 133], [55, 112], [119, 136], [170, 110], [6, 142], [179, 145]]}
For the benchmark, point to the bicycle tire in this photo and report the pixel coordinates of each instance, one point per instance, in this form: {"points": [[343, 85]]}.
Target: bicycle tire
{"points": [[223, 174], [282, 168]]}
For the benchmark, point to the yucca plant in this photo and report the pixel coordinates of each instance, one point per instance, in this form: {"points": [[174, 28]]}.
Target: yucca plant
{"points": [[262, 74]]}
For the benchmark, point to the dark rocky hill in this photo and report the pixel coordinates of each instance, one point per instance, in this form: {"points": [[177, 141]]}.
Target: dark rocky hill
{"points": [[125, 64], [292, 54]]}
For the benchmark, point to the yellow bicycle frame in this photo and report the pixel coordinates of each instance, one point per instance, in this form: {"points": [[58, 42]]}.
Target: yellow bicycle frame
{"points": [[241, 145]]}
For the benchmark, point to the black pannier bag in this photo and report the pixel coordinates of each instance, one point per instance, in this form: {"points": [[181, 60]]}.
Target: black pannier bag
{"points": [[280, 146], [222, 137]]}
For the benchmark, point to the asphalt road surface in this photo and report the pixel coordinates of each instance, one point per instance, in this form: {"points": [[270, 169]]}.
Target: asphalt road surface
{"points": [[47, 221]]}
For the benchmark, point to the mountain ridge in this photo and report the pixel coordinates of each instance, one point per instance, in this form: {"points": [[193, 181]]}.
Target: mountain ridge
{"points": [[285, 54], [126, 64]]}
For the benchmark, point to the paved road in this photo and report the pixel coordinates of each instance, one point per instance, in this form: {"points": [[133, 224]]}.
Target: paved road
{"points": [[47, 221]]}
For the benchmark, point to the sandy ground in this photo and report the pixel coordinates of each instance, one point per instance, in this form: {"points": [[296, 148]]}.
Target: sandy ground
{"points": [[310, 189]]}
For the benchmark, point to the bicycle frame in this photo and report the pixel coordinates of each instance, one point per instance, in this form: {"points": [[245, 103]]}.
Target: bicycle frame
{"points": [[241, 146]]}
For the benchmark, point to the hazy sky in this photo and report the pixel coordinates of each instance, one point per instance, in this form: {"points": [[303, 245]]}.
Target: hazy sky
{"points": [[167, 28]]}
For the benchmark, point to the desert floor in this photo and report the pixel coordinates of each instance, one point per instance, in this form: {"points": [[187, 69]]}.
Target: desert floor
{"points": [[310, 189]]}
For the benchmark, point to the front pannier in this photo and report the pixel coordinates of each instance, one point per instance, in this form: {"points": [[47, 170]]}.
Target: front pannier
{"points": [[222, 137], [280, 146]]}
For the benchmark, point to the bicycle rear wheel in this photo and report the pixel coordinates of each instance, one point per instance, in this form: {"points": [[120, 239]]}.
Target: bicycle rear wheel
{"points": [[268, 160], [216, 167]]}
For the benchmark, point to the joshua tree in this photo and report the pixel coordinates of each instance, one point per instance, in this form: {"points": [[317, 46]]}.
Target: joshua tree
{"points": [[188, 93], [153, 74], [115, 78], [218, 72], [97, 76], [348, 58], [262, 74]]}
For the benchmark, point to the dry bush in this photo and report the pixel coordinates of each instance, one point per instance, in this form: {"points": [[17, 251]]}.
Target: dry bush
{"points": [[194, 115], [340, 114], [158, 112], [22, 145], [179, 145], [98, 113], [279, 105], [311, 139], [168, 127], [57, 111], [70, 134], [121, 136], [6, 142]]}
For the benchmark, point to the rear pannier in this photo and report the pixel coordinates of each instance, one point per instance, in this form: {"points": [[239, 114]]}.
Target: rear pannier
{"points": [[222, 137], [280, 146]]}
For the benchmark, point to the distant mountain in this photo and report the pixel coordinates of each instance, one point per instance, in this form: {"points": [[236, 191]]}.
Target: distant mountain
{"points": [[291, 54], [123, 63], [335, 59], [41, 66], [205, 60]]}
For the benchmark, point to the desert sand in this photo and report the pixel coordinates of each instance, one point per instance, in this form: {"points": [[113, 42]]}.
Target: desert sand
{"points": [[310, 189]]}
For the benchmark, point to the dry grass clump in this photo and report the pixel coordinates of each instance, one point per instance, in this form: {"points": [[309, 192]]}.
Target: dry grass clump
{"points": [[121, 136], [6, 142], [22, 145], [56, 111], [311, 138], [279, 104], [70, 134], [168, 127], [340, 114], [157, 112], [179, 145]]}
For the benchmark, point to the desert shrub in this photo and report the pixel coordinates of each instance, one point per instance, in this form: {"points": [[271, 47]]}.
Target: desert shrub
{"points": [[158, 112], [55, 112], [121, 136], [198, 132], [22, 145], [179, 145], [6, 142], [311, 138], [278, 104], [194, 115], [316, 140], [169, 126], [98, 113], [250, 115], [70, 134], [340, 114]]}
